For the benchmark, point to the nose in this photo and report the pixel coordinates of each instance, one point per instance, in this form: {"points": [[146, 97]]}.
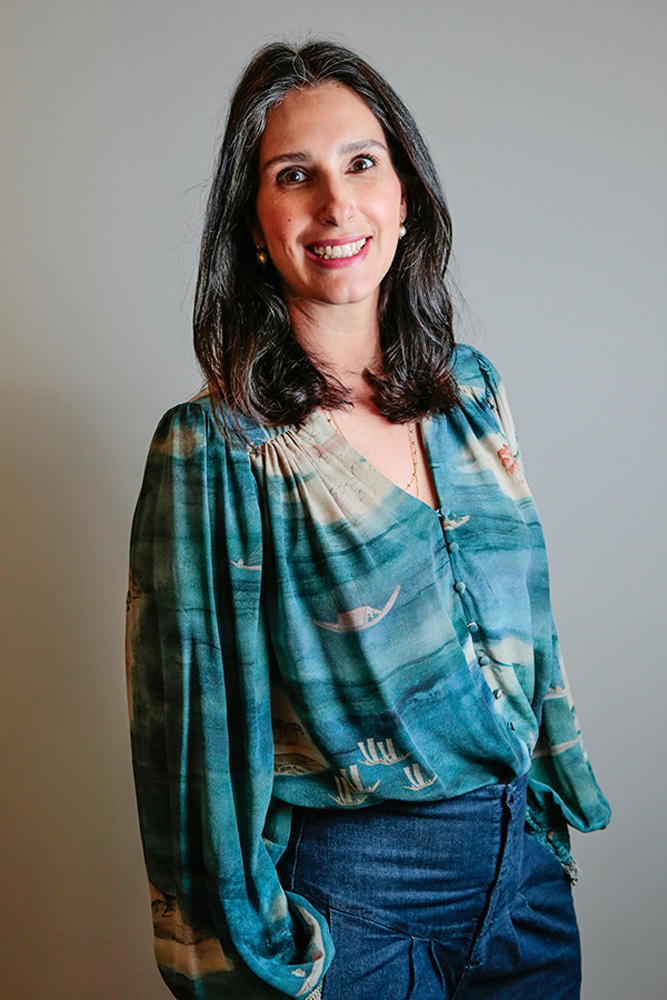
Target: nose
{"points": [[336, 205]]}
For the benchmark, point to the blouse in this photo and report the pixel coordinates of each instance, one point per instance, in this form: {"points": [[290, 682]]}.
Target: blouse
{"points": [[301, 631]]}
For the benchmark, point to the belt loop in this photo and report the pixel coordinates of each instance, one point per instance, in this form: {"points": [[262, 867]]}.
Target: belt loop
{"points": [[514, 794], [510, 795]]}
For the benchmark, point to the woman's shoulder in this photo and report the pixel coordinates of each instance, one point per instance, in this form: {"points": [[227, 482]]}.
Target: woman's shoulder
{"points": [[196, 451], [472, 368], [198, 422]]}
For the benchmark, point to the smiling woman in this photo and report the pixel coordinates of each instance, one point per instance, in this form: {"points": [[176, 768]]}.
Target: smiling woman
{"points": [[252, 351], [354, 745], [330, 215]]}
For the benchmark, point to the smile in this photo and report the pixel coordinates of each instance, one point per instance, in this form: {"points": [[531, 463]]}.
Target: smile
{"points": [[341, 250]]}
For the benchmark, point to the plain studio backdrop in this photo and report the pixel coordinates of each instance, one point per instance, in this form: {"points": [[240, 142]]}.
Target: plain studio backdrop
{"points": [[547, 122]]}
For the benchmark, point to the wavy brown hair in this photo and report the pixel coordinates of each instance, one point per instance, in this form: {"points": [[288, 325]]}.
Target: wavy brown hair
{"points": [[243, 336]]}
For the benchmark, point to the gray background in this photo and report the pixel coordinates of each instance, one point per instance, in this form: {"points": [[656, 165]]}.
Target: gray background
{"points": [[547, 122]]}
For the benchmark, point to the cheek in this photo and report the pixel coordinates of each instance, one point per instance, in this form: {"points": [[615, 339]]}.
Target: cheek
{"points": [[269, 213], [284, 237], [392, 209], [279, 223]]}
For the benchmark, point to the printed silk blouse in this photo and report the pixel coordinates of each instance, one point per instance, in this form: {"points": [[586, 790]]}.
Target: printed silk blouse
{"points": [[302, 631]]}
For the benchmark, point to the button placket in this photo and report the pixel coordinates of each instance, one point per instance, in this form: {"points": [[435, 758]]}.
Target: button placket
{"points": [[460, 586]]}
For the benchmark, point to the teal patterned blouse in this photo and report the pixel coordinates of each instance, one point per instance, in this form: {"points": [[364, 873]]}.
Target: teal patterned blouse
{"points": [[302, 631]]}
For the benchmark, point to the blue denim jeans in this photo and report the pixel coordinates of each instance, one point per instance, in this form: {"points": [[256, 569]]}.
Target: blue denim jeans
{"points": [[431, 901]]}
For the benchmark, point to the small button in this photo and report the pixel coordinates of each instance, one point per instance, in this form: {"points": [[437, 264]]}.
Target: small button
{"points": [[453, 548], [497, 694], [473, 627], [511, 726], [460, 587], [483, 660]]}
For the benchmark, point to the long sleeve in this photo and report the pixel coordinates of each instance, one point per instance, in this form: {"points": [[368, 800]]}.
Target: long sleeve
{"points": [[202, 746], [562, 788]]}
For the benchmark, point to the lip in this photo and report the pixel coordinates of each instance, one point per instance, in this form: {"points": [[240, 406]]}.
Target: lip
{"points": [[336, 262], [339, 243]]}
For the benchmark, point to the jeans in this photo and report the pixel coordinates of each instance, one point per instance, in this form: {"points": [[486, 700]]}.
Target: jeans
{"points": [[436, 900]]}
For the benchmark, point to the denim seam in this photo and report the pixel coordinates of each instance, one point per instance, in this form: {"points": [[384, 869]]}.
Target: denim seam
{"points": [[377, 923], [492, 900], [297, 848], [521, 896], [322, 904]]}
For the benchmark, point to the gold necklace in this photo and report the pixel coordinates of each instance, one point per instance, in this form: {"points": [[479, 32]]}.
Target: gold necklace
{"points": [[413, 452], [414, 478]]}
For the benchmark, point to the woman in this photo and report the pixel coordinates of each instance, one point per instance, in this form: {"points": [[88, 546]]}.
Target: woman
{"points": [[347, 699]]}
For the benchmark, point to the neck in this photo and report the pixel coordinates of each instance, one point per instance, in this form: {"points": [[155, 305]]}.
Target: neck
{"points": [[343, 340]]}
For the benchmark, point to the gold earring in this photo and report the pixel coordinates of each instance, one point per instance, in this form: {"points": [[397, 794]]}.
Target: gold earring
{"points": [[262, 255]]}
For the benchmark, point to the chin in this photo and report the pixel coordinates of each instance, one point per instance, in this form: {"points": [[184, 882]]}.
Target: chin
{"points": [[347, 295]]}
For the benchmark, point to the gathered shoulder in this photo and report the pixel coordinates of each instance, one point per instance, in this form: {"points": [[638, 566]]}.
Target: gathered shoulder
{"points": [[192, 470], [473, 369], [195, 423]]}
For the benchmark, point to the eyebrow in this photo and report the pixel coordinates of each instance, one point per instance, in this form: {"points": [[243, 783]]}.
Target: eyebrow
{"points": [[351, 147]]}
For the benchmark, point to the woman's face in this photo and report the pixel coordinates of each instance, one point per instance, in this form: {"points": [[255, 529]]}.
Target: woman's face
{"points": [[329, 202]]}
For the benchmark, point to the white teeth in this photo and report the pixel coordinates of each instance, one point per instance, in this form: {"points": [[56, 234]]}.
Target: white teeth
{"points": [[342, 250]]}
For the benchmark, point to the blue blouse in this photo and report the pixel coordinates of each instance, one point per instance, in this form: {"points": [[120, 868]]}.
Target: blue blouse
{"points": [[302, 631]]}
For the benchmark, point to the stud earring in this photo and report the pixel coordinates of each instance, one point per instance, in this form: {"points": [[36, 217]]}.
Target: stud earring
{"points": [[402, 230], [262, 255]]}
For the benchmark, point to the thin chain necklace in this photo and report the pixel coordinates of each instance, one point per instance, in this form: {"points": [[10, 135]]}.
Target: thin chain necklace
{"points": [[414, 479]]}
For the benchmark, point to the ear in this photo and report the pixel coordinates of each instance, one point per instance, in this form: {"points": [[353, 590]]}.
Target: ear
{"points": [[404, 203], [256, 231]]}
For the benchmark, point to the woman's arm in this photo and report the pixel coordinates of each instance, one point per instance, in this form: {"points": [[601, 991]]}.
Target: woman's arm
{"points": [[202, 746], [562, 788]]}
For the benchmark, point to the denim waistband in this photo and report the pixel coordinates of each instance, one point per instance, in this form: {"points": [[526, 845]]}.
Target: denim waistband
{"points": [[496, 792], [398, 860]]}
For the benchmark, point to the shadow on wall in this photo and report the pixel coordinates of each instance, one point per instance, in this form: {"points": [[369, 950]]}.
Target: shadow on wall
{"points": [[70, 847]]}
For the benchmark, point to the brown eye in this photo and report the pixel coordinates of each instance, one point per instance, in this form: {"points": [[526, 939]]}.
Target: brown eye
{"points": [[362, 163], [291, 175]]}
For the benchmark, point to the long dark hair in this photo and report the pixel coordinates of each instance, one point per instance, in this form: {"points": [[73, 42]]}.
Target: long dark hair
{"points": [[243, 337]]}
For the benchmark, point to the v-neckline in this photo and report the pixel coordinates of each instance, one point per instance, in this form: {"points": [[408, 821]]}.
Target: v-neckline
{"points": [[317, 421]]}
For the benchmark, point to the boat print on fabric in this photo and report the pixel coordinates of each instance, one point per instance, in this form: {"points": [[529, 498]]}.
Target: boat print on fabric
{"points": [[416, 779], [351, 790], [387, 753], [360, 618], [254, 564], [452, 520], [177, 945]]}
